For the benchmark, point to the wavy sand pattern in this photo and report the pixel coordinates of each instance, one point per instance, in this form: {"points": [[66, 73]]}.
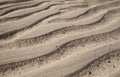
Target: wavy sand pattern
{"points": [[59, 38]]}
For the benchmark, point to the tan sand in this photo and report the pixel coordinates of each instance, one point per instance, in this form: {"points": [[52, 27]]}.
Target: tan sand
{"points": [[59, 38]]}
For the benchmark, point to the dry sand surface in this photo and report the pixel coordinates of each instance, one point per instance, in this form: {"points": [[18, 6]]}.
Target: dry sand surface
{"points": [[59, 38]]}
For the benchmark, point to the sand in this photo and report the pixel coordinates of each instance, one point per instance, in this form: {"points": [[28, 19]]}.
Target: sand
{"points": [[59, 38]]}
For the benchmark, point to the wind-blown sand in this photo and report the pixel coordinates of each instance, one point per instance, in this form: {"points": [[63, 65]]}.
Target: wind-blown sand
{"points": [[59, 38]]}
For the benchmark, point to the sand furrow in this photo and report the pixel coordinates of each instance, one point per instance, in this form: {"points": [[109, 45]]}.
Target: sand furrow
{"points": [[20, 9], [23, 15], [71, 31], [71, 63], [70, 48], [113, 35], [8, 24], [109, 62], [33, 9], [62, 25], [14, 5], [53, 27], [4, 2], [23, 25], [42, 27], [67, 16], [88, 12], [11, 9], [9, 18]]}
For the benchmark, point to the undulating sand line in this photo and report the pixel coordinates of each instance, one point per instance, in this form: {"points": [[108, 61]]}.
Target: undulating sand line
{"points": [[21, 16], [17, 27], [12, 5], [6, 11], [109, 62], [59, 38], [4, 2]]}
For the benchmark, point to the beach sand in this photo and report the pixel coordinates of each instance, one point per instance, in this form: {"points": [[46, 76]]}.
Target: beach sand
{"points": [[59, 38]]}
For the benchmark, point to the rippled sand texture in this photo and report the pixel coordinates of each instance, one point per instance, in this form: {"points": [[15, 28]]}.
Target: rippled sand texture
{"points": [[59, 38]]}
